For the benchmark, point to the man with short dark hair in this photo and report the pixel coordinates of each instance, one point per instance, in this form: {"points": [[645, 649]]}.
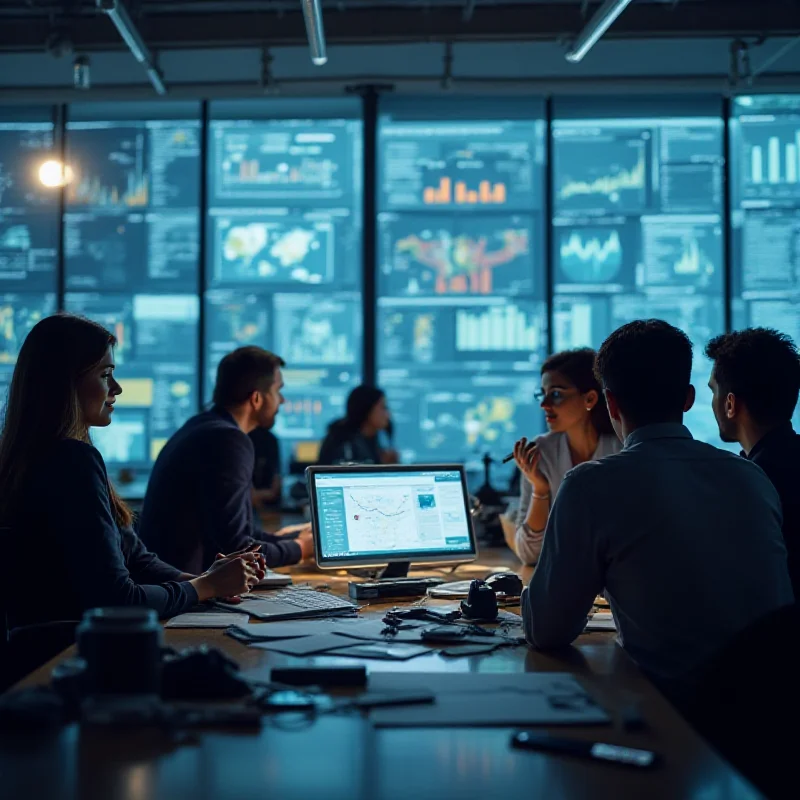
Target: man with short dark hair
{"points": [[755, 384], [198, 500], [684, 538]]}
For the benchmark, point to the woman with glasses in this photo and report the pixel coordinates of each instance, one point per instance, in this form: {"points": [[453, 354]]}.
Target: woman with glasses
{"points": [[580, 430]]}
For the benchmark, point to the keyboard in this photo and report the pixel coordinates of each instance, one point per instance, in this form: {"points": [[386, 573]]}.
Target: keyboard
{"points": [[292, 604]]}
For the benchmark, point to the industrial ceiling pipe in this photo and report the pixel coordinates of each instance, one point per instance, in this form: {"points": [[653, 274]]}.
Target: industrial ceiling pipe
{"points": [[312, 13], [118, 14]]}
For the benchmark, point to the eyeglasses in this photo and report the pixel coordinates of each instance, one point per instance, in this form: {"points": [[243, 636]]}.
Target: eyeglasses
{"points": [[554, 397]]}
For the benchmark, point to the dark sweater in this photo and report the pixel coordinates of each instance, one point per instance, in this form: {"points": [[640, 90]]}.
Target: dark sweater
{"points": [[63, 520], [198, 499], [778, 454], [343, 445]]}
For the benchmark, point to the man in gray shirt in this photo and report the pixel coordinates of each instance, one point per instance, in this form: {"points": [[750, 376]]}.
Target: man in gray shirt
{"points": [[684, 539]]}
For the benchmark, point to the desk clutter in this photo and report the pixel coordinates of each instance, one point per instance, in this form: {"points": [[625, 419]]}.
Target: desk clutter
{"points": [[201, 687], [302, 622]]}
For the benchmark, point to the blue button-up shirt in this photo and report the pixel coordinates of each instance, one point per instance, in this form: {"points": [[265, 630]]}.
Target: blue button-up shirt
{"points": [[684, 538]]}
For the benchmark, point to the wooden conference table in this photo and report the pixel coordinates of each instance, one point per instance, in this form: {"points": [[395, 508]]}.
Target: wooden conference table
{"points": [[344, 757]]}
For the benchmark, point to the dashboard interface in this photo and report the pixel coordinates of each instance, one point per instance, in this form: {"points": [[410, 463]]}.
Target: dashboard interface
{"points": [[461, 310], [638, 206], [131, 258], [388, 514], [283, 264], [765, 213], [29, 231]]}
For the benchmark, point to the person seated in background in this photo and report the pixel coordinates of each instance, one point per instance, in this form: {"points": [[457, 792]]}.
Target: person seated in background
{"points": [[354, 437], [580, 431], [198, 500], [755, 384], [684, 538], [56, 499], [267, 484]]}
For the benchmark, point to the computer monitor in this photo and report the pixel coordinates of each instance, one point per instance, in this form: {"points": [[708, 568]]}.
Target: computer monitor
{"points": [[377, 515]]}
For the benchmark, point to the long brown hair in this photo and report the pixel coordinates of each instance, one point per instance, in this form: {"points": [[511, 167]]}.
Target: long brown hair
{"points": [[578, 367], [43, 405]]}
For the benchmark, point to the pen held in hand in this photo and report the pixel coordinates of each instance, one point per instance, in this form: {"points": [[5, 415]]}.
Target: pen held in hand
{"points": [[509, 457]]}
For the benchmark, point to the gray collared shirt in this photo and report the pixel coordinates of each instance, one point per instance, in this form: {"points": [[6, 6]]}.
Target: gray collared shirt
{"points": [[684, 538]]}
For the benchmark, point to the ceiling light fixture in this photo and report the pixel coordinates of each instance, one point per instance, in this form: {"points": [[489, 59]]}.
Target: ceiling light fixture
{"points": [[312, 13], [118, 14], [593, 31]]}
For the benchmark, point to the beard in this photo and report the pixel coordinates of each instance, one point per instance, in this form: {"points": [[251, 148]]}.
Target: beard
{"points": [[266, 419], [727, 431], [727, 435]]}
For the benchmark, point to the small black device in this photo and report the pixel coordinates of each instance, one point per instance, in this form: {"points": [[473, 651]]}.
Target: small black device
{"points": [[320, 676], [599, 751], [443, 633], [507, 583], [481, 602], [392, 588]]}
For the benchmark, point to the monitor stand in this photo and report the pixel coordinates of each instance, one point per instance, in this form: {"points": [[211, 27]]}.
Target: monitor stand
{"points": [[397, 569]]}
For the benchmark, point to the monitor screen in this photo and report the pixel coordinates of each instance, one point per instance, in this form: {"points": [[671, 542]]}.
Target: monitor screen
{"points": [[375, 515], [461, 276], [132, 208], [638, 228], [765, 214], [29, 225], [283, 266], [131, 263]]}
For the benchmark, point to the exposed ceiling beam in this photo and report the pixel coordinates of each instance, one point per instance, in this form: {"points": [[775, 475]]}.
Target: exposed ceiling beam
{"points": [[547, 21]]}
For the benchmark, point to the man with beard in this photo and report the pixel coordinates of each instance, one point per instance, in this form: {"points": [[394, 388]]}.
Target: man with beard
{"points": [[198, 501]]}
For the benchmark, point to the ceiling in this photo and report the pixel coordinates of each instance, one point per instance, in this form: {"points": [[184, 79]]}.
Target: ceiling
{"points": [[45, 25]]}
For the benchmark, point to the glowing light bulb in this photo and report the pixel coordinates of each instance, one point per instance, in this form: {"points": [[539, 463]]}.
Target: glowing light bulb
{"points": [[53, 174]]}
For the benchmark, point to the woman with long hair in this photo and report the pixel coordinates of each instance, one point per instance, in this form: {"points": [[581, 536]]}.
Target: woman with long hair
{"points": [[56, 499], [354, 437], [579, 430]]}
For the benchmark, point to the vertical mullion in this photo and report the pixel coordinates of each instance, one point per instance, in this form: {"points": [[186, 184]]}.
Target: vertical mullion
{"points": [[727, 212], [369, 238], [201, 257], [549, 261], [60, 142]]}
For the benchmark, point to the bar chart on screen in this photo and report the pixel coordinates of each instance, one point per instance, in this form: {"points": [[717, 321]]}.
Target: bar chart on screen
{"points": [[502, 328]]}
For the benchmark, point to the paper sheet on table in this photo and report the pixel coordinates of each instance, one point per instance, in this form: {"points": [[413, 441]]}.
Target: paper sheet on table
{"points": [[294, 629], [388, 651], [207, 619], [488, 699], [307, 645]]}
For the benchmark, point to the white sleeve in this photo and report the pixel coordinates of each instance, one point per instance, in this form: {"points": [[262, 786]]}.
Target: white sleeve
{"points": [[569, 575]]}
